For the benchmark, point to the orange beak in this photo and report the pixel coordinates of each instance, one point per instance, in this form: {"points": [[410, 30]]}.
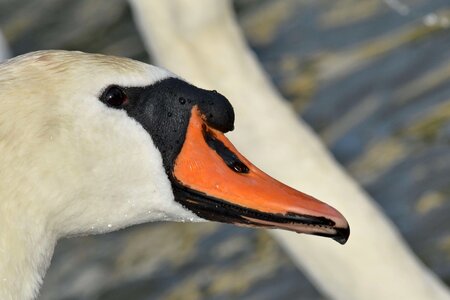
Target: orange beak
{"points": [[212, 179]]}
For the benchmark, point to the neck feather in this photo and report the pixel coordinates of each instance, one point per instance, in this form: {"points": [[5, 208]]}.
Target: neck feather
{"points": [[26, 249]]}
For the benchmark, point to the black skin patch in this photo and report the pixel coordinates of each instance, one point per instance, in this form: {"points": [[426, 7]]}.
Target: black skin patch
{"points": [[164, 109]]}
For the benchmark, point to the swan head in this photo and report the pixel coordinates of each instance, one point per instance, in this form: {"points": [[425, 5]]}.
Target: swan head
{"points": [[95, 143]]}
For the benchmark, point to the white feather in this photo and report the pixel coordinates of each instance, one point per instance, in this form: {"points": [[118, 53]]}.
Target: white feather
{"points": [[69, 164]]}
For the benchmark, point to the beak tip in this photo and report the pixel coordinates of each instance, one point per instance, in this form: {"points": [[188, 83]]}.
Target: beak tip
{"points": [[342, 235]]}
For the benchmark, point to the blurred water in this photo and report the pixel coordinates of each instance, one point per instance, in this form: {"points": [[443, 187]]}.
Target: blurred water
{"points": [[4, 50], [372, 82]]}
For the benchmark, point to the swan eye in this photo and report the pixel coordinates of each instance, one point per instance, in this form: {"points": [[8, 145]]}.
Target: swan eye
{"points": [[114, 97]]}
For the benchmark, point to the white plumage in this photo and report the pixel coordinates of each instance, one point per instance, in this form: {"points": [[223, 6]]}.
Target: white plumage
{"points": [[68, 161]]}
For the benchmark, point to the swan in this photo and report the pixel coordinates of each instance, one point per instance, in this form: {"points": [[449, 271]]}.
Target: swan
{"points": [[92, 143]]}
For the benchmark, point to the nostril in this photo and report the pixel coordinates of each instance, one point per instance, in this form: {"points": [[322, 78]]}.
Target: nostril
{"points": [[230, 159], [239, 167]]}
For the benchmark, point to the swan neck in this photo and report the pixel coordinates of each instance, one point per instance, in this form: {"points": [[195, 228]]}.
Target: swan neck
{"points": [[26, 249]]}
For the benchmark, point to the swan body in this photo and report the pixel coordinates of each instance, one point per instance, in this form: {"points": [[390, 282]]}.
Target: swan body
{"points": [[92, 143]]}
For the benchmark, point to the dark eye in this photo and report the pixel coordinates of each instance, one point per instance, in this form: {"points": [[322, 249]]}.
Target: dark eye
{"points": [[114, 97]]}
